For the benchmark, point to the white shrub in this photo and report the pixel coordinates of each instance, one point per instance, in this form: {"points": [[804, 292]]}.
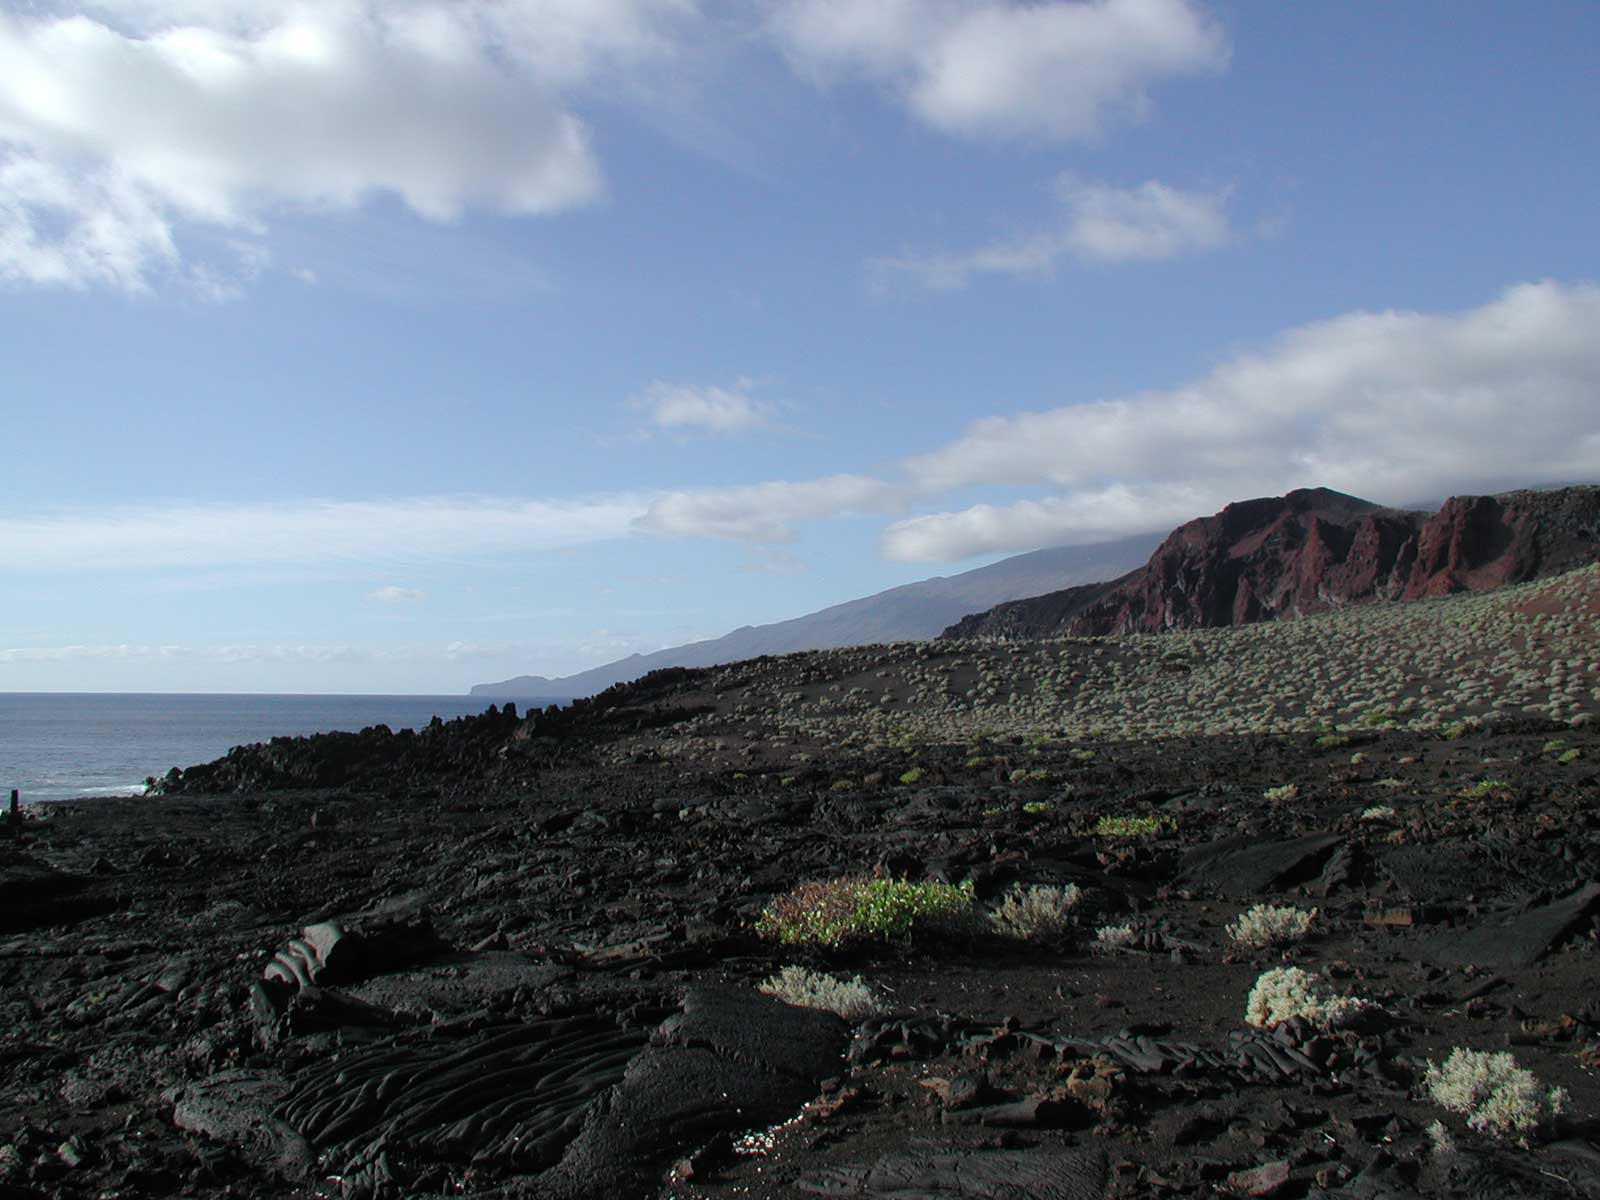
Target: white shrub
{"points": [[1113, 937], [1286, 992], [851, 999], [1037, 913], [1495, 1095], [1269, 925]]}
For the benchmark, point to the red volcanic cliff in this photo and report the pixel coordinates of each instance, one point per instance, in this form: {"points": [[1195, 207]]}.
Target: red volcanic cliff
{"points": [[1314, 549]]}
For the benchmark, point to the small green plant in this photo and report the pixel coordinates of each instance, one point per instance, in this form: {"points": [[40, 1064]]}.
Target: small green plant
{"points": [[1451, 732], [841, 785], [976, 761], [1484, 787], [1035, 807], [1084, 755], [851, 999], [1332, 741], [1553, 745], [994, 810], [849, 911], [1270, 925], [1132, 827], [1570, 757], [1278, 795], [1378, 812], [914, 775], [1495, 1095]]}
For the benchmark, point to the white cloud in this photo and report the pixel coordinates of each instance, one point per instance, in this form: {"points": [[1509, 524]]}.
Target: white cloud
{"points": [[682, 407], [765, 512], [1393, 406], [201, 536], [1102, 223], [398, 595], [1005, 68], [118, 129]]}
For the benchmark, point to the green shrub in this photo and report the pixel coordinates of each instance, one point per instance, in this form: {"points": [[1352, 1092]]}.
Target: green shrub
{"points": [[1451, 732], [1035, 807], [1484, 787], [912, 776], [1571, 756], [1332, 741], [1131, 827], [1286, 792], [849, 911]]}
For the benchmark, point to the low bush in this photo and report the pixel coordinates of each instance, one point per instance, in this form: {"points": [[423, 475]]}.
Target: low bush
{"points": [[851, 999], [1037, 914], [1286, 992], [1270, 925], [1131, 827], [850, 911], [1495, 1095], [1115, 937]]}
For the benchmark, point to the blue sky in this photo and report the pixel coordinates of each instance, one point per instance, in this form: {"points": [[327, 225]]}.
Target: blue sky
{"points": [[379, 347]]}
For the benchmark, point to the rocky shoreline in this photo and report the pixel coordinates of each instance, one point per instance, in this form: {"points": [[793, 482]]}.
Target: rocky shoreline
{"points": [[523, 955]]}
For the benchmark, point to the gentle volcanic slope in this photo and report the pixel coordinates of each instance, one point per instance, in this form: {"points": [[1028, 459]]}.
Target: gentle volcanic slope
{"points": [[1312, 550], [911, 611]]}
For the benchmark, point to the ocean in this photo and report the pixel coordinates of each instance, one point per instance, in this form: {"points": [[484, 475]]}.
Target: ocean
{"points": [[66, 745]]}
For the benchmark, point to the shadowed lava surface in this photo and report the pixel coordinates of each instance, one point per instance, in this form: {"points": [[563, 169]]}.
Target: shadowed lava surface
{"points": [[516, 956]]}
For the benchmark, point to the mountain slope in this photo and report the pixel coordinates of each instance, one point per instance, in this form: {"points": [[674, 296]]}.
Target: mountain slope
{"points": [[911, 611], [1315, 549]]}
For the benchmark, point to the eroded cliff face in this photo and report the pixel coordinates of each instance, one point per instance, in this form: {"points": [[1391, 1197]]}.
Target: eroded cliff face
{"points": [[1314, 549]]}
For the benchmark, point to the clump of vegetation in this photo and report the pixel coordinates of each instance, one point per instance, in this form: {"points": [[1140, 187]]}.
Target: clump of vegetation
{"points": [[849, 911], [1035, 807], [1553, 745], [1279, 795], [1378, 812], [1332, 741], [1451, 732], [914, 775], [1115, 937], [1495, 1095], [1037, 914], [1286, 992], [1484, 787], [1271, 925], [1131, 827], [1570, 757], [851, 999]]}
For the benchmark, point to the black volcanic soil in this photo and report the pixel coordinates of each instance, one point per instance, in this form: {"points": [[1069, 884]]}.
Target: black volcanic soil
{"points": [[547, 980]]}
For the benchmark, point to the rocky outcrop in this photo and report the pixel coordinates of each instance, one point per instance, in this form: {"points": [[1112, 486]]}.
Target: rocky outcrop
{"points": [[1311, 550]]}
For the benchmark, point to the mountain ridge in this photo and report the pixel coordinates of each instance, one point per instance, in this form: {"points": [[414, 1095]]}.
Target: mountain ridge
{"points": [[909, 611], [1312, 549]]}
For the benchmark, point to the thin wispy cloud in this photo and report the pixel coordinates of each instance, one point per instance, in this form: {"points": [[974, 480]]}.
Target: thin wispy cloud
{"points": [[398, 595], [1100, 223], [695, 409], [766, 513], [1391, 406], [201, 536], [1057, 71]]}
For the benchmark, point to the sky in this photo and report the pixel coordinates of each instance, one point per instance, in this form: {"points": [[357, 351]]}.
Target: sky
{"points": [[399, 345]]}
